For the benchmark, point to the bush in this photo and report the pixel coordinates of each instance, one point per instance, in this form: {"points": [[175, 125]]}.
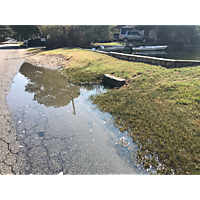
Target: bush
{"points": [[56, 41]]}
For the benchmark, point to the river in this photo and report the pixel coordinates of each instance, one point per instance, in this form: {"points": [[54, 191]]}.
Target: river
{"points": [[170, 53]]}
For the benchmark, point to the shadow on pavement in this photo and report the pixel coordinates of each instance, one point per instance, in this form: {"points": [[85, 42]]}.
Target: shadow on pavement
{"points": [[11, 47]]}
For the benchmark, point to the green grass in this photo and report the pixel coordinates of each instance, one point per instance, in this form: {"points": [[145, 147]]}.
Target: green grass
{"points": [[106, 44], [159, 107]]}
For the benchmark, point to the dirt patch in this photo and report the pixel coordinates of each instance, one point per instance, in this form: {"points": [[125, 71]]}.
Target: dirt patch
{"points": [[46, 61]]}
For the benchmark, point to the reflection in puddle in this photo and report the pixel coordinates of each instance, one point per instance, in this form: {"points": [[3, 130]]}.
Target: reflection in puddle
{"points": [[48, 87], [60, 131]]}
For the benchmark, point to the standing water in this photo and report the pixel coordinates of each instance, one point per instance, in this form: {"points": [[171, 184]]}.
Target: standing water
{"points": [[59, 130], [180, 53]]}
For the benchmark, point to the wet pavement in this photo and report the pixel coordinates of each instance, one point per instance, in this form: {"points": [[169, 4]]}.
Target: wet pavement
{"points": [[60, 131]]}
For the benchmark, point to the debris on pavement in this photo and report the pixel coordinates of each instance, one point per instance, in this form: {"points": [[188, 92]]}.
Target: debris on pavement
{"points": [[123, 141]]}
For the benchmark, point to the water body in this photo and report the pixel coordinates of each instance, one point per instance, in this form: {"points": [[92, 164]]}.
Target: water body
{"points": [[59, 130], [181, 54]]}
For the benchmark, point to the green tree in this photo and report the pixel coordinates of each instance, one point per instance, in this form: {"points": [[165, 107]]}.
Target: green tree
{"points": [[184, 33], [74, 35], [179, 33], [25, 31], [5, 31], [146, 28]]}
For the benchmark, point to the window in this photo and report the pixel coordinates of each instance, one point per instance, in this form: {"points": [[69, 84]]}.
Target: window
{"points": [[135, 33], [123, 32]]}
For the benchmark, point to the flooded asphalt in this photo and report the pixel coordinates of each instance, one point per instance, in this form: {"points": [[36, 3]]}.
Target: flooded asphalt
{"points": [[60, 131]]}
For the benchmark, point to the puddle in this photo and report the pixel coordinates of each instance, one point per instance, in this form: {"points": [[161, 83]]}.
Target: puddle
{"points": [[60, 131]]}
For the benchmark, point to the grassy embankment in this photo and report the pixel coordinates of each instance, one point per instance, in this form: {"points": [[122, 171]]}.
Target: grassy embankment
{"points": [[159, 107]]}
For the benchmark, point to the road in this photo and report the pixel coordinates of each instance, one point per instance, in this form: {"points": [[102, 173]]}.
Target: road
{"points": [[51, 140], [10, 62]]}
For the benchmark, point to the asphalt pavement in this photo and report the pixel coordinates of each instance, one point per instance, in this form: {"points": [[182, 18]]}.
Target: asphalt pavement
{"points": [[10, 62], [51, 141]]}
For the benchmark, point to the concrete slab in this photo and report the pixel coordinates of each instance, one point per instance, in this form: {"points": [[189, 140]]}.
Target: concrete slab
{"points": [[113, 80]]}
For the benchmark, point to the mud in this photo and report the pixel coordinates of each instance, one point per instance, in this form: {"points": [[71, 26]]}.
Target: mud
{"points": [[46, 61]]}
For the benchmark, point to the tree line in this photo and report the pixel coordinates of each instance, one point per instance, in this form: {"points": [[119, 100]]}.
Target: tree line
{"points": [[59, 35], [82, 35], [178, 33], [74, 35]]}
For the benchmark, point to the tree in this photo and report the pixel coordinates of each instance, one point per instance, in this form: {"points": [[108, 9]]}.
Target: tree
{"points": [[146, 28], [5, 31], [173, 32], [25, 31], [74, 35], [179, 33]]}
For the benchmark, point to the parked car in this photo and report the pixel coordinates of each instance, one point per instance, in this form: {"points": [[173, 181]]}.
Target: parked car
{"points": [[132, 35], [12, 40]]}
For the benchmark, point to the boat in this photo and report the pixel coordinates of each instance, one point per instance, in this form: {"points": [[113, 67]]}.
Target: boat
{"points": [[149, 48], [112, 48]]}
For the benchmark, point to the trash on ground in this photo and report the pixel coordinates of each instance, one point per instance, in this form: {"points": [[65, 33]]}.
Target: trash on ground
{"points": [[123, 143]]}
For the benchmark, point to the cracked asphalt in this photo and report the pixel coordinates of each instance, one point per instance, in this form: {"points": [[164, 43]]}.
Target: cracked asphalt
{"points": [[10, 62], [47, 137]]}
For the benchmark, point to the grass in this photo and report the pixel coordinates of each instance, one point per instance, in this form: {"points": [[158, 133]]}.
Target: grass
{"points": [[107, 44], [159, 107]]}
